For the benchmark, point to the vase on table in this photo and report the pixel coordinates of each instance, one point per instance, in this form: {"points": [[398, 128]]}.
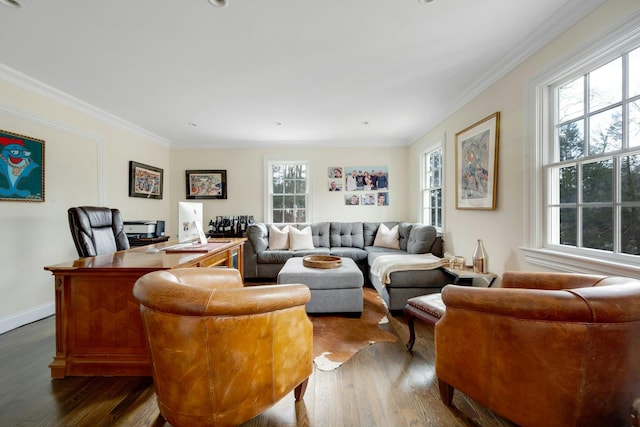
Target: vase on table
{"points": [[479, 258]]}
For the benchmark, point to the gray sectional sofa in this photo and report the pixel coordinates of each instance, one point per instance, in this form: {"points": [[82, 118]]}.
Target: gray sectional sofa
{"points": [[354, 240]]}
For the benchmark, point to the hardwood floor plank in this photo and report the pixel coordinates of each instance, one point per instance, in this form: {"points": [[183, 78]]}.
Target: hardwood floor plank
{"points": [[382, 385]]}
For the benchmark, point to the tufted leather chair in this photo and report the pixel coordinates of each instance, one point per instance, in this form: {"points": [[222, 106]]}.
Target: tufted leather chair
{"points": [[545, 349], [222, 353], [97, 230]]}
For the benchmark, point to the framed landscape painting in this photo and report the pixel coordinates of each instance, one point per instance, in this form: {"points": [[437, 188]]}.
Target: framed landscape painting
{"points": [[206, 184], [477, 164]]}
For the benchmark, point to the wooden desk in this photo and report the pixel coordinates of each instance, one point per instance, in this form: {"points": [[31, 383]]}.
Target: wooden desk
{"points": [[98, 325]]}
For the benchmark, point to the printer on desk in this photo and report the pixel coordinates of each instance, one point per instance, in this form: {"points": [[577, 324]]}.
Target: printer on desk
{"points": [[142, 233]]}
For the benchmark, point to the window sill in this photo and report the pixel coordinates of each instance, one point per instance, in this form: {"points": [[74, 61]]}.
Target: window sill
{"points": [[578, 264]]}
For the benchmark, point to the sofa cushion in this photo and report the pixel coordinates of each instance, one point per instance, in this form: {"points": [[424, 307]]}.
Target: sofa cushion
{"points": [[278, 238], [421, 239], [387, 238], [347, 234], [404, 230], [355, 254], [274, 257], [300, 239], [320, 232]]}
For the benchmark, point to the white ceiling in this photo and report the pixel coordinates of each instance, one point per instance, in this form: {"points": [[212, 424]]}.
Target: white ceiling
{"points": [[267, 72]]}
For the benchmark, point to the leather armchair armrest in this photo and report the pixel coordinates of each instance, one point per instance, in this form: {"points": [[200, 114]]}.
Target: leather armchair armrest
{"points": [[530, 304], [549, 281]]}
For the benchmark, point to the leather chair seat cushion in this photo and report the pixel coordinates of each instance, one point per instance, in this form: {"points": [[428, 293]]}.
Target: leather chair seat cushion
{"points": [[431, 304]]}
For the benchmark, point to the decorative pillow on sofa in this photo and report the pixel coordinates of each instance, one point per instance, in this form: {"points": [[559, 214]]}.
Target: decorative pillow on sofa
{"points": [[300, 239], [278, 239], [386, 238]]}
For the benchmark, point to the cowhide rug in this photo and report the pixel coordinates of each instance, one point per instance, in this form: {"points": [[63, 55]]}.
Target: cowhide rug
{"points": [[337, 338]]}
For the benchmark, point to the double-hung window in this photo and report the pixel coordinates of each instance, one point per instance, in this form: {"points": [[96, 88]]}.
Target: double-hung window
{"points": [[431, 186], [288, 198], [587, 146]]}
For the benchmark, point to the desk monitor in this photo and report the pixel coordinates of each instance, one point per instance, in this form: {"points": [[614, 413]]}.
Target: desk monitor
{"points": [[190, 222]]}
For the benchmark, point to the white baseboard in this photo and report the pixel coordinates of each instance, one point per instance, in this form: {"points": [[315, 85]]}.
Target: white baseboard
{"points": [[25, 317]]}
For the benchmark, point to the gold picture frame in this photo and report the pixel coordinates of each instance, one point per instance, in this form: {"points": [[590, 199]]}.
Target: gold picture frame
{"points": [[477, 164]]}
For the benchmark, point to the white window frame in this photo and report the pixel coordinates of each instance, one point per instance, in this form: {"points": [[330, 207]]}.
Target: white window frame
{"points": [[425, 204], [537, 135], [268, 187]]}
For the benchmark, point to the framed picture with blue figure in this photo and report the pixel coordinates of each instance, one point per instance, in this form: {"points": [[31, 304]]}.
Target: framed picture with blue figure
{"points": [[21, 168]]}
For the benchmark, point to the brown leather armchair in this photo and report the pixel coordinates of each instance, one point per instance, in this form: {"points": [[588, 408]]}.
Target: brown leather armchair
{"points": [[545, 349], [97, 230], [222, 353]]}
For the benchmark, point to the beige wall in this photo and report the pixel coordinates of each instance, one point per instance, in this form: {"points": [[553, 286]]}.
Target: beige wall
{"points": [[503, 229], [87, 163], [245, 178]]}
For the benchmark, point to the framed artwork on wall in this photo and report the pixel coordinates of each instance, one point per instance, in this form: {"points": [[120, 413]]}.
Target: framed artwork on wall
{"points": [[206, 184], [145, 181], [477, 164], [21, 168]]}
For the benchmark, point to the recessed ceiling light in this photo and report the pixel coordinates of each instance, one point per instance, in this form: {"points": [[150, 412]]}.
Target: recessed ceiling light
{"points": [[425, 1], [279, 123], [217, 3], [365, 123], [12, 3], [189, 124]]}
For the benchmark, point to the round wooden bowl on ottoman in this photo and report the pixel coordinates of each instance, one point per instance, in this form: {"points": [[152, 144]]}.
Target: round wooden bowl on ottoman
{"points": [[322, 261]]}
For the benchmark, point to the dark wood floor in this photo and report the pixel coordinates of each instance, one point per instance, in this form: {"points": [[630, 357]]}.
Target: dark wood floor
{"points": [[383, 385]]}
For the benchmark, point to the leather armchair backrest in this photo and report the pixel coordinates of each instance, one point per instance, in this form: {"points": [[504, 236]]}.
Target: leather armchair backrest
{"points": [[97, 230], [221, 353]]}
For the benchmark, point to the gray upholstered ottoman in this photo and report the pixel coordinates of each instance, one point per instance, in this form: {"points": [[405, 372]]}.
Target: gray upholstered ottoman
{"points": [[333, 290]]}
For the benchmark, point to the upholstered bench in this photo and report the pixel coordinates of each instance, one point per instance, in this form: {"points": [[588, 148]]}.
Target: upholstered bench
{"points": [[333, 290], [426, 308]]}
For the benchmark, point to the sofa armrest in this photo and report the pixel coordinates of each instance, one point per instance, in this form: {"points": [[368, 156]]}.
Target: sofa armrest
{"points": [[549, 281]]}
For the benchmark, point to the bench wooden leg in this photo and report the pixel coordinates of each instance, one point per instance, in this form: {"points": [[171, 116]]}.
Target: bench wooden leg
{"points": [[412, 333], [446, 392]]}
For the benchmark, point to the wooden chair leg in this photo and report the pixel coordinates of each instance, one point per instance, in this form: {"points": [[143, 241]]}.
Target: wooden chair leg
{"points": [[446, 392], [298, 392], [635, 413], [412, 333]]}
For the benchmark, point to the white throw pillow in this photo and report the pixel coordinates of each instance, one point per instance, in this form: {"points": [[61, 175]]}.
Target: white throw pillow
{"points": [[386, 238], [278, 239], [300, 239]]}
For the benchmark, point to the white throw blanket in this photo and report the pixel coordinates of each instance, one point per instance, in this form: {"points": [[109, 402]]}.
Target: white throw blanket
{"points": [[384, 265]]}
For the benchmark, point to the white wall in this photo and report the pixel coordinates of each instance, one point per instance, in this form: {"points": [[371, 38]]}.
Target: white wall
{"points": [[503, 229], [245, 181], [86, 163]]}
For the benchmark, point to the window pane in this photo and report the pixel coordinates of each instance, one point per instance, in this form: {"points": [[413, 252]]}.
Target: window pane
{"points": [[568, 226], [571, 139], [278, 202], [301, 216], [630, 231], [289, 202], [278, 216], [597, 182], [436, 178], [630, 178], [568, 185], [605, 85], [634, 73], [288, 216], [300, 201], [597, 229], [634, 124], [301, 186], [571, 100], [606, 132]]}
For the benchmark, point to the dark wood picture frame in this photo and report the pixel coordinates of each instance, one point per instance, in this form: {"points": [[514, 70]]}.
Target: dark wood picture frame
{"points": [[145, 181], [206, 184]]}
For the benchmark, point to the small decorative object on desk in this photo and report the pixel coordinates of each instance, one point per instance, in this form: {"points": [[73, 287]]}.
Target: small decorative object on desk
{"points": [[479, 258], [458, 263]]}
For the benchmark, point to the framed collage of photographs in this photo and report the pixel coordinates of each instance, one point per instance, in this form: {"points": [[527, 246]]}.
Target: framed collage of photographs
{"points": [[22, 171], [206, 184], [145, 181], [361, 185]]}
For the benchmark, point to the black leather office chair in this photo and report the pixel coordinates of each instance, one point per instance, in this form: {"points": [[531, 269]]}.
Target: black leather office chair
{"points": [[97, 230]]}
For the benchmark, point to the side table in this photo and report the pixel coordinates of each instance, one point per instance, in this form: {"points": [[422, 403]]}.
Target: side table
{"points": [[468, 277]]}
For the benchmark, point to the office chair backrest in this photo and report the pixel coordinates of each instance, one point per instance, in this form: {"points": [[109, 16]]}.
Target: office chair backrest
{"points": [[97, 230]]}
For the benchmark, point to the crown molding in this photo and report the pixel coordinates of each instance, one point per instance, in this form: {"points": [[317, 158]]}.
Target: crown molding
{"points": [[23, 81], [566, 17]]}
